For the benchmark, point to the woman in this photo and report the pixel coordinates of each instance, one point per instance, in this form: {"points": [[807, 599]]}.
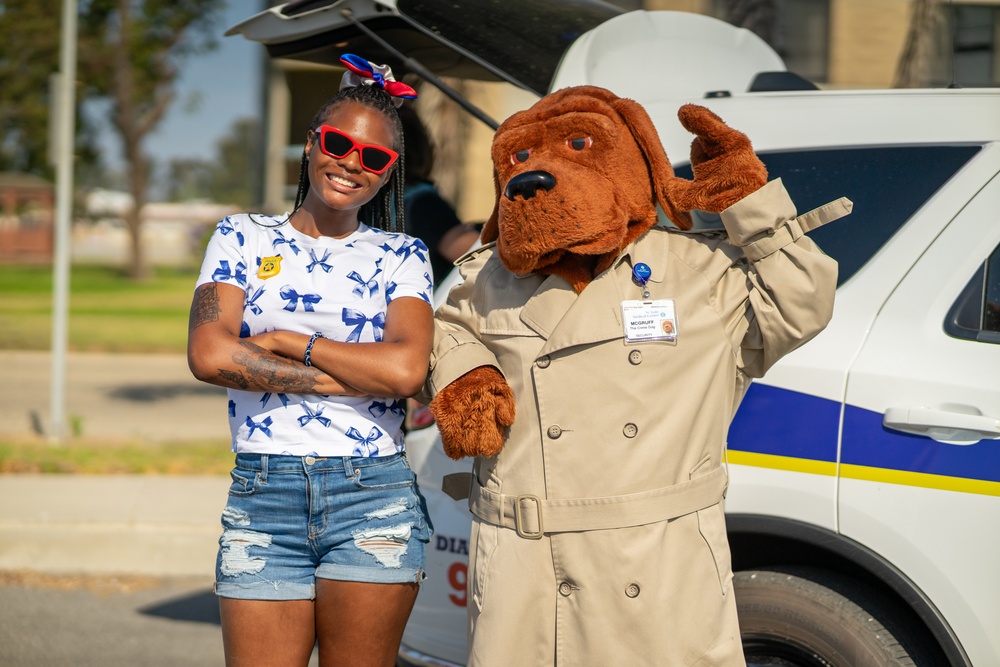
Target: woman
{"points": [[318, 323]]}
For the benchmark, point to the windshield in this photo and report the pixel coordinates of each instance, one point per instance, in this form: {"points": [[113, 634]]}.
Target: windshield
{"points": [[886, 183]]}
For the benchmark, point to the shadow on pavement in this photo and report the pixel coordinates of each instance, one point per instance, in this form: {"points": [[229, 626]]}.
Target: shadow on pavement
{"points": [[145, 393], [200, 607]]}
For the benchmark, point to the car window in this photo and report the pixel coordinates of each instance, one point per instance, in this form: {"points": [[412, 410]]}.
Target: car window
{"points": [[887, 185], [976, 313]]}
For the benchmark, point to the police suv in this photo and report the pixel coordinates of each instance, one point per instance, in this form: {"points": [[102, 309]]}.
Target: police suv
{"points": [[864, 499]]}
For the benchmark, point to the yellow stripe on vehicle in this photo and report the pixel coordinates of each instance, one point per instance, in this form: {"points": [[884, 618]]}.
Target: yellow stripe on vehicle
{"points": [[865, 473], [921, 479], [782, 463]]}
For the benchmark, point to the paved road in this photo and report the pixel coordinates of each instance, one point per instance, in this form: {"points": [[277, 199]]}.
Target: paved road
{"points": [[114, 396], [110, 570], [101, 621]]}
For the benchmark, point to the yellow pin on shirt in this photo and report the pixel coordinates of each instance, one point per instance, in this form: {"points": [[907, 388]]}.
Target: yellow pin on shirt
{"points": [[269, 267]]}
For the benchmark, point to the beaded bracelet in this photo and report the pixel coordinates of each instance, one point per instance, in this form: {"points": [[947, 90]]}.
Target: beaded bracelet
{"points": [[309, 348]]}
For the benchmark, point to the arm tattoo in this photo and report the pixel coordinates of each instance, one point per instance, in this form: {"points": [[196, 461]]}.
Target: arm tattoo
{"points": [[234, 377], [264, 370], [205, 307]]}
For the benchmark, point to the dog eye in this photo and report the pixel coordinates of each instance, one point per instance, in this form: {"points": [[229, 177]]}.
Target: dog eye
{"points": [[580, 143], [520, 156]]}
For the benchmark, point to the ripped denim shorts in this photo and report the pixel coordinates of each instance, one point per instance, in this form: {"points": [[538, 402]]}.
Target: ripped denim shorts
{"points": [[291, 519]]}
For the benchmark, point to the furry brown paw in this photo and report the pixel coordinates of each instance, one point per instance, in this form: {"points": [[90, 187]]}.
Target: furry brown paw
{"points": [[725, 167], [473, 413]]}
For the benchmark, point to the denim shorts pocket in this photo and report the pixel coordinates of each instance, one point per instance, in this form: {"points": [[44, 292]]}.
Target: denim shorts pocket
{"points": [[394, 473], [244, 482]]}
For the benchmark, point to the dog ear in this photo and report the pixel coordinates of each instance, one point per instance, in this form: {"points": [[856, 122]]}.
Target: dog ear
{"points": [[641, 126], [491, 230]]}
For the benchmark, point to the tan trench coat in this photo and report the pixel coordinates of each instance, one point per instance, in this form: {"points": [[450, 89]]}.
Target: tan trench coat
{"points": [[617, 447]]}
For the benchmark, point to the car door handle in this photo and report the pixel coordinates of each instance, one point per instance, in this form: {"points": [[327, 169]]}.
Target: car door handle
{"points": [[954, 424]]}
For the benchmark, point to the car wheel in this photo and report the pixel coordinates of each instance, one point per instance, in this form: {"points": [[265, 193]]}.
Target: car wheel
{"points": [[805, 617]]}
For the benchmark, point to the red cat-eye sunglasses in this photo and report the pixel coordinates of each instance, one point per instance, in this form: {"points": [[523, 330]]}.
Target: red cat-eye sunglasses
{"points": [[337, 144]]}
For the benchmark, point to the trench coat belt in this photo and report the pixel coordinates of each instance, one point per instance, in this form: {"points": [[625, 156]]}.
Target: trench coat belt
{"points": [[532, 516]]}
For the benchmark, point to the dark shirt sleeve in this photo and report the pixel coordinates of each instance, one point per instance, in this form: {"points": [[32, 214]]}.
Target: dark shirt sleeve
{"points": [[429, 217]]}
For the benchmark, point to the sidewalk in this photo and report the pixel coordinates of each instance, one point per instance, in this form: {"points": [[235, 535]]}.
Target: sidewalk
{"points": [[112, 524]]}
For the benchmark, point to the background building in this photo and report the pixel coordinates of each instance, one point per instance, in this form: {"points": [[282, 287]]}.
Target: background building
{"points": [[838, 44]]}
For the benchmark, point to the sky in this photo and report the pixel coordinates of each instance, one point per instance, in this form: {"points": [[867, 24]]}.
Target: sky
{"points": [[213, 90]]}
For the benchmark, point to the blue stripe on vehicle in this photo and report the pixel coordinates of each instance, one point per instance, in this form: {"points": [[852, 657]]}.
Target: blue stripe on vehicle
{"points": [[781, 422], [868, 443], [788, 430]]}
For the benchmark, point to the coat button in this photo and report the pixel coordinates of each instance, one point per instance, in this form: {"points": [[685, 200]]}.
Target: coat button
{"points": [[544, 362], [635, 357], [554, 432], [632, 590], [630, 430], [565, 589]]}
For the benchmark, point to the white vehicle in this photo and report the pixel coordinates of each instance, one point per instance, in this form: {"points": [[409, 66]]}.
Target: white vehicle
{"points": [[864, 502]]}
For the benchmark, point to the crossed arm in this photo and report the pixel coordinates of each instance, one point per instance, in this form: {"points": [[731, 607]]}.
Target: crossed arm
{"points": [[273, 361]]}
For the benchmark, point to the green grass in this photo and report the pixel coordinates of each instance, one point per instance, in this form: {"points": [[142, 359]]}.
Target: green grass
{"points": [[75, 457], [107, 311]]}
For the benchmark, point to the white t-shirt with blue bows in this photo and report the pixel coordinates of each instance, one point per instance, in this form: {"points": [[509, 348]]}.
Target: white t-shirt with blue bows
{"points": [[338, 287]]}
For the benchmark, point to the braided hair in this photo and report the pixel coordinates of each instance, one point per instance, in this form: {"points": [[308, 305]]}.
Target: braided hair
{"points": [[385, 210]]}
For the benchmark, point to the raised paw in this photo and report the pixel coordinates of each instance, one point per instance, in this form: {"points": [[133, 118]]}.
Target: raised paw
{"points": [[725, 167]]}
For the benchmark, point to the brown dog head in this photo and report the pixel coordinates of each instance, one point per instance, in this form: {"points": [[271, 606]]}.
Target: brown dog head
{"points": [[577, 177]]}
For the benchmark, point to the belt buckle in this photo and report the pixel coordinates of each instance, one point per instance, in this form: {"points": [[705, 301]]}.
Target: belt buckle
{"points": [[519, 517]]}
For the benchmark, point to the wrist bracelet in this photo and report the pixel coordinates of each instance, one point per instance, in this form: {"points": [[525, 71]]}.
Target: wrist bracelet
{"points": [[309, 348]]}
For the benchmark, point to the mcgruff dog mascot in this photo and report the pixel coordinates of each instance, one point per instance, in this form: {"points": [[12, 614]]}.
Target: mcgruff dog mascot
{"points": [[592, 361]]}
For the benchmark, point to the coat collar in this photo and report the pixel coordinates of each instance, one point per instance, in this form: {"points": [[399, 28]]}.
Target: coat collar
{"points": [[565, 319]]}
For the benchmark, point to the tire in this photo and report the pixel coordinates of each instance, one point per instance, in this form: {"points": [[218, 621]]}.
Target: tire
{"points": [[805, 617]]}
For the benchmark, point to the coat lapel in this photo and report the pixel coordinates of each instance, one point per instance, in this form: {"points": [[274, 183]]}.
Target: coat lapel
{"points": [[548, 305], [595, 315]]}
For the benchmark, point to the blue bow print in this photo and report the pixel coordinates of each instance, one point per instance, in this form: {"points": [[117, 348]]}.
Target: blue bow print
{"points": [[310, 415], [252, 301], [358, 320], [378, 408], [406, 250], [267, 396], [264, 427], [365, 446], [281, 239], [319, 261], [292, 297], [371, 284], [226, 228], [225, 273]]}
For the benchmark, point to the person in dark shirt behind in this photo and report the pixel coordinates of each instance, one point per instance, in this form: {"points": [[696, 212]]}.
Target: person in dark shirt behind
{"points": [[428, 215]]}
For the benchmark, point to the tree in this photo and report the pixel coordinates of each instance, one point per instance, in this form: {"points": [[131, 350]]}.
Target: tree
{"points": [[133, 50], [29, 54], [757, 16], [232, 177], [914, 67], [236, 174], [188, 178]]}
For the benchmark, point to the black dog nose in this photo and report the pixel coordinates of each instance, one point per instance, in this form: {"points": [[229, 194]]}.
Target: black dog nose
{"points": [[527, 184]]}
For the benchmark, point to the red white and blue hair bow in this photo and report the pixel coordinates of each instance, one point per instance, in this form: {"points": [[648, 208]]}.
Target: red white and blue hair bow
{"points": [[363, 72]]}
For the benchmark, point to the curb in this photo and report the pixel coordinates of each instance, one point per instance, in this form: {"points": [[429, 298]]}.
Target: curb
{"points": [[159, 525]]}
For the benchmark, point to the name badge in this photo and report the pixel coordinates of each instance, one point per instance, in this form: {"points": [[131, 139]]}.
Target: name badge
{"points": [[650, 320]]}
